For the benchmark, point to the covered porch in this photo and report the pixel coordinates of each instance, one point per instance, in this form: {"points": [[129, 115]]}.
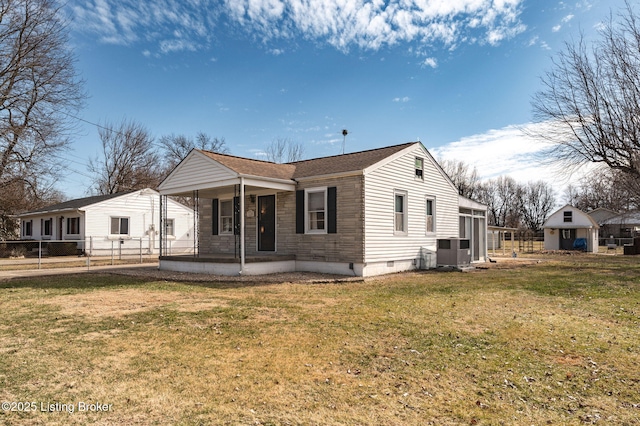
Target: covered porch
{"points": [[236, 222]]}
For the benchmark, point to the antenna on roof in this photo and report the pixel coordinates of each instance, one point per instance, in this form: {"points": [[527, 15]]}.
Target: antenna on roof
{"points": [[344, 138]]}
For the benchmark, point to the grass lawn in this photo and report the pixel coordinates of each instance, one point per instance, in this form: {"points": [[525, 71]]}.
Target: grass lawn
{"points": [[557, 342]]}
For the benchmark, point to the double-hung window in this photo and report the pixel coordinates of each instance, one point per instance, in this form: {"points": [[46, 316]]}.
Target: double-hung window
{"points": [[316, 203], [400, 213], [119, 226], [73, 225], [46, 225], [226, 217], [27, 228], [430, 215], [568, 216], [419, 167]]}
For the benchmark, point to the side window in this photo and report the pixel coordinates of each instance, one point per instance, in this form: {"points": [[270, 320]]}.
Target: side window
{"points": [[419, 166], [120, 226], [400, 213], [45, 226], [73, 225], [169, 227], [316, 206], [27, 228], [430, 215]]}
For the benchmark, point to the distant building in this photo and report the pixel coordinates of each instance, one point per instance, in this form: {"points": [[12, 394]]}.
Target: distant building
{"points": [[570, 228], [130, 219]]}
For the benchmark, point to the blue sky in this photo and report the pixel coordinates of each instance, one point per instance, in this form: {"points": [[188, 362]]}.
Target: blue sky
{"points": [[458, 75]]}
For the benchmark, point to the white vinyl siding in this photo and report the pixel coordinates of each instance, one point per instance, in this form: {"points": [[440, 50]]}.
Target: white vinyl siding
{"points": [[381, 242], [195, 172]]}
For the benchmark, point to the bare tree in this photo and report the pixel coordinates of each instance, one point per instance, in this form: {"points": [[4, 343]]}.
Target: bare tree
{"points": [[605, 188], [284, 151], [466, 180], [128, 160], [176, 147], [538, 200], [39, 93], [503, 197], [591, 99]]}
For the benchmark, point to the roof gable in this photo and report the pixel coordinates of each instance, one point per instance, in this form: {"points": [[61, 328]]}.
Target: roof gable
{"points": [[579, 219]]}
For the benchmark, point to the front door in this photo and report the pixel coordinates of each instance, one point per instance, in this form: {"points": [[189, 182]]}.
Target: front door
{"points": [[267, 223], [567, 237]]}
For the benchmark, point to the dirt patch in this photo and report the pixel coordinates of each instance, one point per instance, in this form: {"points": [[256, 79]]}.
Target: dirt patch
{"points": [[101, 304]]}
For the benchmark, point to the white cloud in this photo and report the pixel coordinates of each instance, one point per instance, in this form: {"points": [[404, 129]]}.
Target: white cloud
{"points": [[341, 23], [430, 62], [404, 99], [508, 151]]}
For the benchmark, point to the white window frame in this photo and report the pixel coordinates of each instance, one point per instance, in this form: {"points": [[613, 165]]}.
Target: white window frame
{"points": [[24, 228], [69, 219], [404, 214], [307, 213], [433, 215], [119, 218], [170, 230], [221, 229], [43, 227], [419, 172]]}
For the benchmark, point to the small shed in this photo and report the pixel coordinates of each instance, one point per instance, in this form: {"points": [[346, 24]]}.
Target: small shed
{"points": [[570, 228]]}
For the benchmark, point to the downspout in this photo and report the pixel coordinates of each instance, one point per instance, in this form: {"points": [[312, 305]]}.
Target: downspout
{"points": [[242, 254]]}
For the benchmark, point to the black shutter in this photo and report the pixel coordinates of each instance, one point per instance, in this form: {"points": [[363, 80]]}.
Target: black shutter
{"points": [[300, 211], [332, 216], [236, 215], [214, 216]]}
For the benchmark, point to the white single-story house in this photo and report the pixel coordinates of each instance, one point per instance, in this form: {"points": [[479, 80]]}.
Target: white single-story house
{"points": [[366, 213], [570, 228], [127, 220]]}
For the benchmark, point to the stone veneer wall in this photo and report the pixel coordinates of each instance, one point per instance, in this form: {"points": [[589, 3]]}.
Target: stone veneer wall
{"points": [[347, 245]]}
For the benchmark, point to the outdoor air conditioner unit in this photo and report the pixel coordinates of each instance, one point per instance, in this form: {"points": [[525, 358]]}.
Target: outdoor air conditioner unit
{"points": [[427, 258], [453, 252]]}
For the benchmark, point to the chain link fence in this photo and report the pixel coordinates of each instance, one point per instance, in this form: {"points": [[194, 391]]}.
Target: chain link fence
{"points": [[85, 252]]}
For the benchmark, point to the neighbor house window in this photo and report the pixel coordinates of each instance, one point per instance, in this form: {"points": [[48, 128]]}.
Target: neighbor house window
{"points": [[226, 217], [169, 227], [316, 206], [46, 225], [73, 225], [120, 225], [400, 213], [568, 216], [430, 215], [27, 228], [419, 165]]}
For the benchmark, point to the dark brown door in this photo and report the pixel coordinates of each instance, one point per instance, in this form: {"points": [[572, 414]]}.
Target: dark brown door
{"points": [[267, 223]]}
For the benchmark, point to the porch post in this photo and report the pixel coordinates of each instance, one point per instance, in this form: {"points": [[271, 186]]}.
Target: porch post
{"points": [[242, 254]]}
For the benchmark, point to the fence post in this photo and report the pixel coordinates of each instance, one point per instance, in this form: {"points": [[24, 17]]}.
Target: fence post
{"points": [[140, 249], [39, 253], [111, 252]]}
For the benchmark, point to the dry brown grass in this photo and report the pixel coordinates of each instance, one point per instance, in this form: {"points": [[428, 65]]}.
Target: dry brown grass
{"points": [[555, 342]]}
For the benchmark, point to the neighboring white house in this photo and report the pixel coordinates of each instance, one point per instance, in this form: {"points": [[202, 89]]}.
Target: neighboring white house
{"points": [[128, 220], [366, 213], [570, 228]]}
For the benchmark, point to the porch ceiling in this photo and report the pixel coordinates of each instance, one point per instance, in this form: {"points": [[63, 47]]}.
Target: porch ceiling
{"points": [[212, 189]]}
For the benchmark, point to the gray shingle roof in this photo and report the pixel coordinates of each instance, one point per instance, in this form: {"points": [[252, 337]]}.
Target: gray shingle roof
{"points": [[307, 168]]}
